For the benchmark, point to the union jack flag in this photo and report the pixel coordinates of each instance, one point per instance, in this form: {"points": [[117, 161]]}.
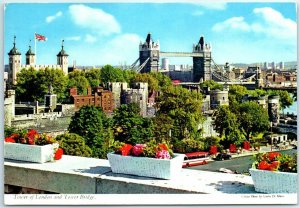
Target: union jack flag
{"points": [[40, 37]]}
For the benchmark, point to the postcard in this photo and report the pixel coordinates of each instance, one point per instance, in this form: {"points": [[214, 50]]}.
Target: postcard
{"points": [[150, 103]]}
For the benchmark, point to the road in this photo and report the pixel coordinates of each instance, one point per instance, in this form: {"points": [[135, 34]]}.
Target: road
{"points": [[240, 164]]}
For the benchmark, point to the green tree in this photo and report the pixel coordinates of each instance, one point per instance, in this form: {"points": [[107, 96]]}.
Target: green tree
{"points": [[211, 84], [285, 98], [26, 87], [163, 125], [73, 144], [130, 127], [235, 97], [227, 125], [129, 75], [253, 118], [163, 80], [89, 122], [77, 79], [184, 108], [236, 93], [93, 76], [54, 77], [111, 74], [33, 84], [146, 77]]}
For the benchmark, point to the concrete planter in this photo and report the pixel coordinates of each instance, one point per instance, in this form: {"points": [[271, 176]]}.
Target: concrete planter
{"points": [[144, 166], [274, 182], [29, 153]]}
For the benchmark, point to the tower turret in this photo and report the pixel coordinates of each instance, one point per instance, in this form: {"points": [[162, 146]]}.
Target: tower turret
{"points": [[14, 64], [30, 56], [202, 64], [149, 54], [62, 59]]}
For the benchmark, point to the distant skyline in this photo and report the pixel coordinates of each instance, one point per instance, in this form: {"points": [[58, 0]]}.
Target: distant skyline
{"points": [[110, 33]]}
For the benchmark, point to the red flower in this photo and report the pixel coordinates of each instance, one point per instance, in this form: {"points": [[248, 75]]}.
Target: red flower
{"points": [[273, 155], [125, 150], [58, 154], [32, 132], [274, 166], [10, 139], [138, 149], [31, 141], [22, 140], [161, 147], [263, 165], [14, 136]]}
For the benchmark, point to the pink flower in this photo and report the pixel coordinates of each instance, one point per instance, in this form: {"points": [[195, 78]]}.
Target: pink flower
{"points": [[138, 149], [163, 154]]}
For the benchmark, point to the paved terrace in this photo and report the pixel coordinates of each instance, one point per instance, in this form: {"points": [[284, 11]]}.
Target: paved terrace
{"points": [[80, 175]]}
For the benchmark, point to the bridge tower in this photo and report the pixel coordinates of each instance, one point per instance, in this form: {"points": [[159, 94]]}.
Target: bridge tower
{"points": [[202, 65], [149, 54]]}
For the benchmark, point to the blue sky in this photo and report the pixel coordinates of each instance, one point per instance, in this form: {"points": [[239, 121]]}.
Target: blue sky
{"points": [[110, 33]]}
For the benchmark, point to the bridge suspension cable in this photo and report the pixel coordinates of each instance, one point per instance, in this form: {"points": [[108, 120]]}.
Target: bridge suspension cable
{"points": [[134, 64], [143, 65], [216, 74]]}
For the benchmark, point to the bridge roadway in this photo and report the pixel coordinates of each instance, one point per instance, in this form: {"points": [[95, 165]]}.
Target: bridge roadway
{"points": [[229, 83], [180, 54]]}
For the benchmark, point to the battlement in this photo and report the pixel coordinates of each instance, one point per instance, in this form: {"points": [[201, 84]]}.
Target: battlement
{"points": [[44, 66], [150, 46]]}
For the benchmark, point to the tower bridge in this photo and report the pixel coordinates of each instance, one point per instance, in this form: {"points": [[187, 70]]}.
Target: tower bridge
{"points": [[180, 54], [204, 67]]}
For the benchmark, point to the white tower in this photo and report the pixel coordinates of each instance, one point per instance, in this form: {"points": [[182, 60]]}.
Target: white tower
{"points": [[62, 59]]}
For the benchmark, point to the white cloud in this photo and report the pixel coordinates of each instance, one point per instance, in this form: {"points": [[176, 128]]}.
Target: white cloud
{"points": [[90, 39], [96, 20], [123, 48], [213, 5], [275, 24], [74, 38], [271, 23], [51, 18], [198, 13], [232, 23]]}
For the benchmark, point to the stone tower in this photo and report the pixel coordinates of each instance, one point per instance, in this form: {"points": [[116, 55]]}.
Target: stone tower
{"points": [[149, 50], [14, 64], [62, 59], [30, 57], [274, 109], [202, 64]]}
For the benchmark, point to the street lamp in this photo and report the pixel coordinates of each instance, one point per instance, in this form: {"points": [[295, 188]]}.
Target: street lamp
{"points": [[271, 124]]}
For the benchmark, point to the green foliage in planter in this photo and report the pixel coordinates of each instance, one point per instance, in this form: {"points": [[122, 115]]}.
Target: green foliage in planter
{"points": [[288, 163], [73, 144], [9, 131]]}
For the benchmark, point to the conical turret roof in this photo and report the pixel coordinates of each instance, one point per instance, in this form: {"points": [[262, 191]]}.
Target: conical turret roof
{"points": [[62, 52], [29, 52], [14, 50]]}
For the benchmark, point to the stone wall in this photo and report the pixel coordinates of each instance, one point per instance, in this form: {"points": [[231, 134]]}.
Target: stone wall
{"points": [[47, 122]]}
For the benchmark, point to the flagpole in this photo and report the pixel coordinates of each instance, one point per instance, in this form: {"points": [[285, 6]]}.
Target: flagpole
{"points": [[35, 49]]}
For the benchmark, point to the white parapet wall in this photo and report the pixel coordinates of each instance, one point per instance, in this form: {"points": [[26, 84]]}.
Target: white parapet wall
{"points": [[80, 175]]}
